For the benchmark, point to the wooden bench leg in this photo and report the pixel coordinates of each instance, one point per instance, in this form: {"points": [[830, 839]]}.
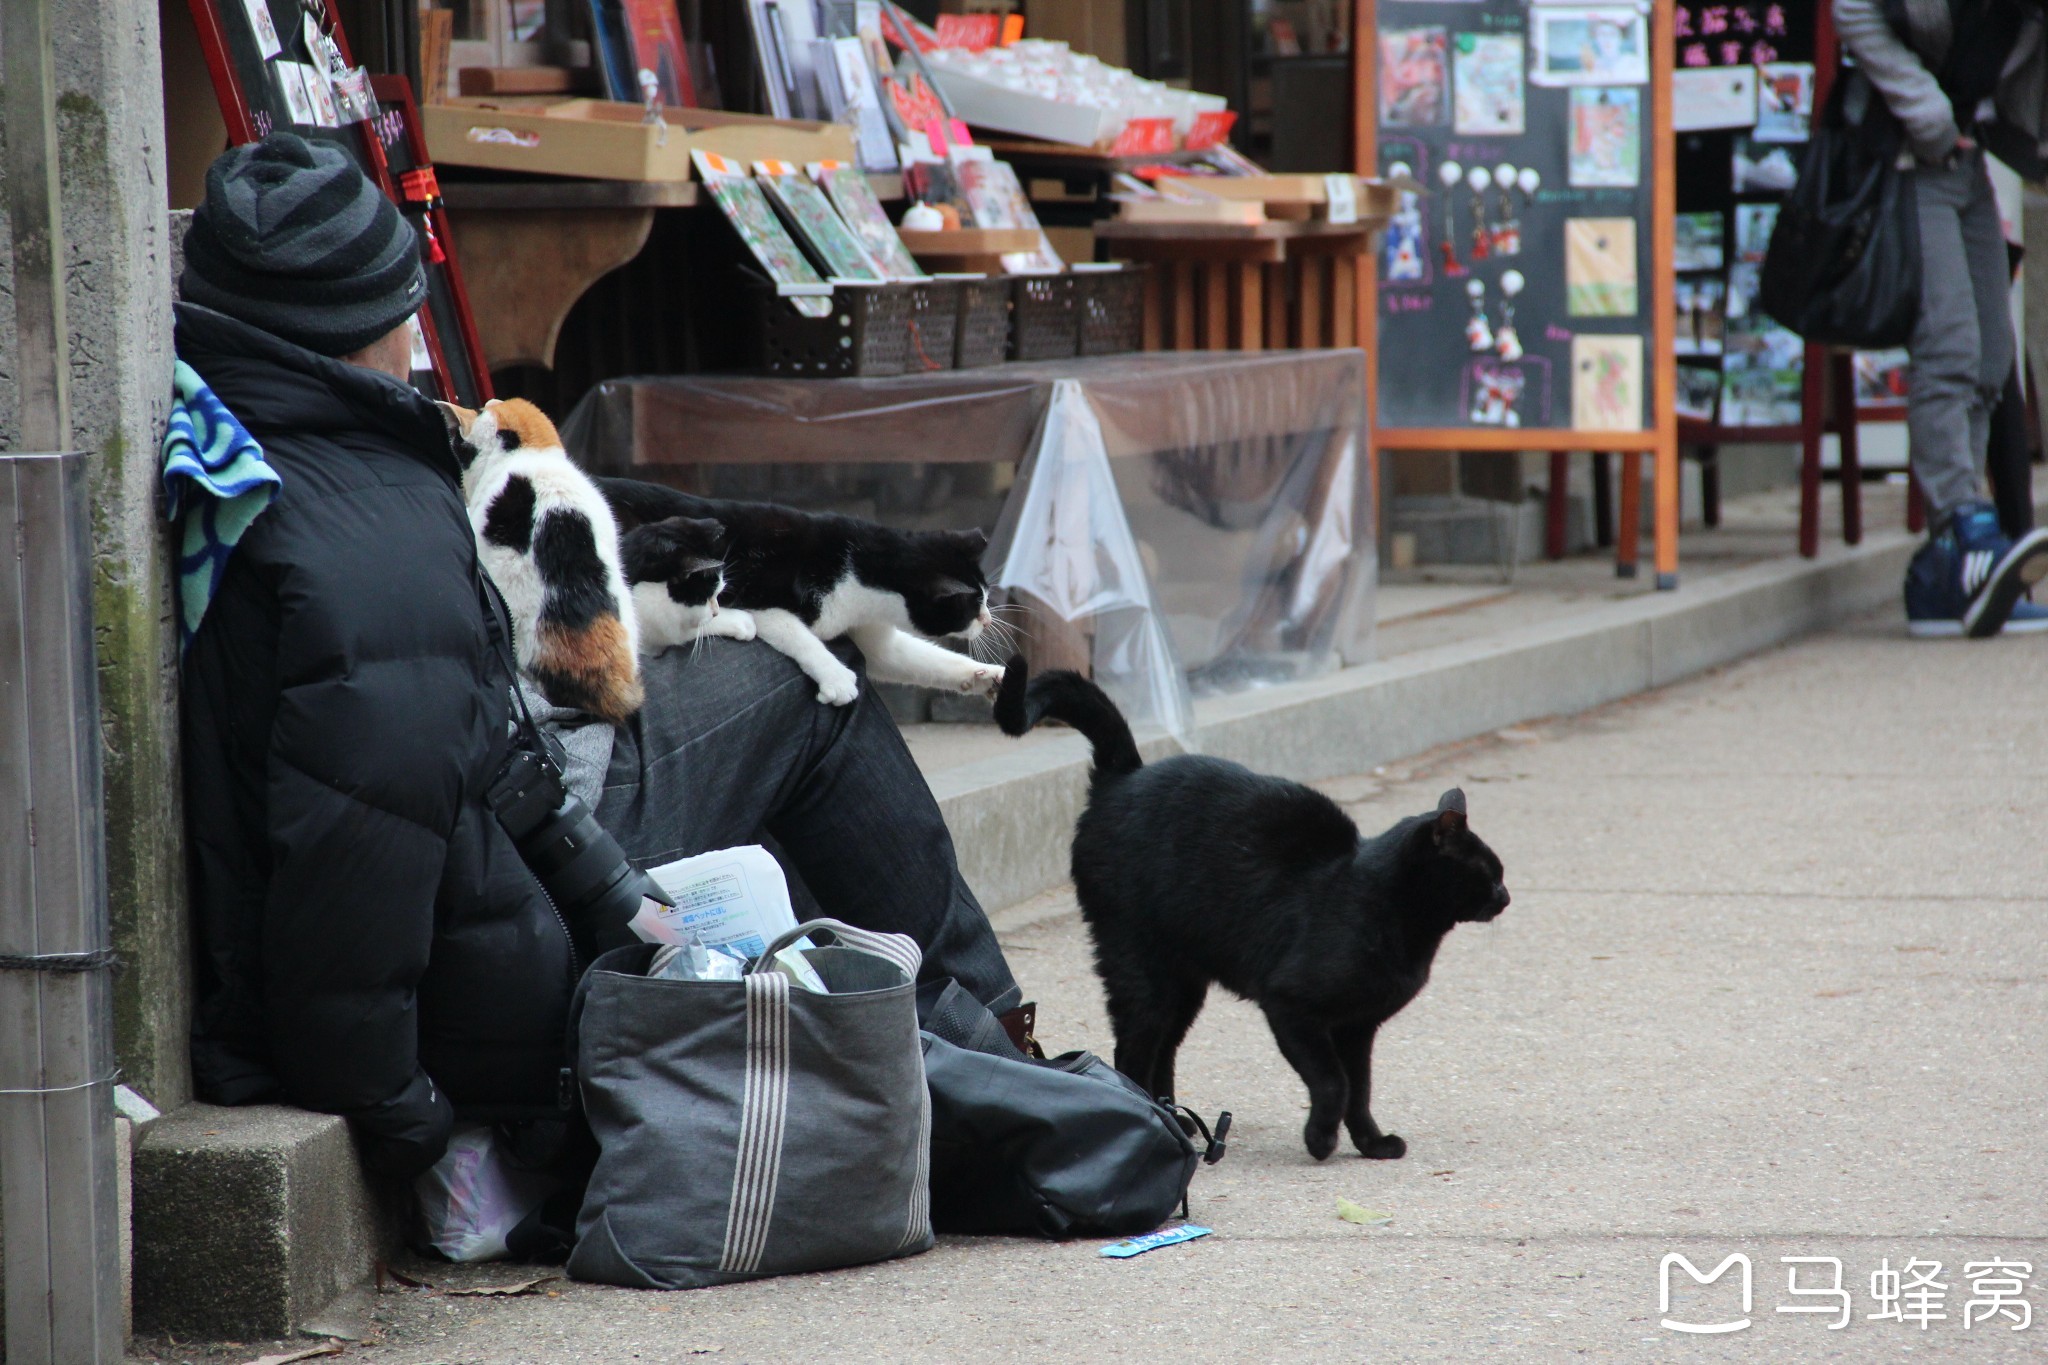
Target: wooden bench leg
{"points": [[1603, 500], [1248, 323], [1276, 305], [1183, 305], [1216, 306], [1710, 485], [1628, 547], [1155, 308], [1916, 504], [1842, 377], [1557, 506], [1812, 422]]}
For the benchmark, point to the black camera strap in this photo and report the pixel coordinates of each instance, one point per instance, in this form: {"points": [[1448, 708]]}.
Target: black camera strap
{"points": [[501, 615]]}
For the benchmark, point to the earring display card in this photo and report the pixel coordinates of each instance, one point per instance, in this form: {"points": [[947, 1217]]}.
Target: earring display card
{"points": [[1552, 103]]}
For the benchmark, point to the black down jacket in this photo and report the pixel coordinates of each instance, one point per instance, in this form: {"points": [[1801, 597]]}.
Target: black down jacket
{"points": [[369, 942]]}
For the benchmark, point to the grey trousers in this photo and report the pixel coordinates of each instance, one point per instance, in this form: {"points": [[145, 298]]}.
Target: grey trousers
{"points": [[1962, 345], [733, 745]]}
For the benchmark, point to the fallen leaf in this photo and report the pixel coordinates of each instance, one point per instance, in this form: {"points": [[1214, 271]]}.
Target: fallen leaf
{"points": [[1358, 1213], [1837, 995], [503, 1291], [398, 1276], [1443, 1172], [310, 1353]]}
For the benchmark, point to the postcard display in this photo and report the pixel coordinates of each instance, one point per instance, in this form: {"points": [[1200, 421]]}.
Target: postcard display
{"points": [[1516, 291], [1743, 101], [285, 65]]}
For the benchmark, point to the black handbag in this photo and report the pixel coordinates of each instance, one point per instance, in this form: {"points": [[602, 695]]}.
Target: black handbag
{"points": [[1062, 1148], [1843, 268]]}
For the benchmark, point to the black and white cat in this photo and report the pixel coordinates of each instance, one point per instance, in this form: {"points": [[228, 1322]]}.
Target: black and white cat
{"points": [[547, 538], [1195, 871], [805, 578], [676, 571]]}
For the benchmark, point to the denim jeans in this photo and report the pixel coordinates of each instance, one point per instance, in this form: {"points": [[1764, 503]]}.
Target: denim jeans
{"points": [[733, 747]]}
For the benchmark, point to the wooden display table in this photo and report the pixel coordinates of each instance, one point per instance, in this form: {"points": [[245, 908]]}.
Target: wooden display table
{"points": [[1245, 287]]}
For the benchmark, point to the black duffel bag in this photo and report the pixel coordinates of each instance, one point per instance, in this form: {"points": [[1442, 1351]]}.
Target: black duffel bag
{"points": [[1843, 267], [1066, 1147]]}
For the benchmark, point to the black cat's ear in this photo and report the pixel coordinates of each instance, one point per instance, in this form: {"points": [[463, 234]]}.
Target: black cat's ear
{"points": [[1450, 814]]}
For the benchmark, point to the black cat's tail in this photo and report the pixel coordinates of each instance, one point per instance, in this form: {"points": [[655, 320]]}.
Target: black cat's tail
{"points": [[1064, 695]]}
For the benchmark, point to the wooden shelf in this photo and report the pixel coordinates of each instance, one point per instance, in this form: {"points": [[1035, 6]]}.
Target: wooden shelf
{"points": [[569, 194]]}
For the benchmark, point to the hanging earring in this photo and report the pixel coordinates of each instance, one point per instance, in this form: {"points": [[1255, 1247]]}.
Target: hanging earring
{"points": [[1450, 173], [1507, 238], [1505, 343], [1478, 335], [1526, 180], [1478, 178]]}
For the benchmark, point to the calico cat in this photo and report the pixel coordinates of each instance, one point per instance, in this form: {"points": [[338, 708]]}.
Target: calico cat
{"points": [[1194, 871], [805, 578], [547, 538], [676, 571]]}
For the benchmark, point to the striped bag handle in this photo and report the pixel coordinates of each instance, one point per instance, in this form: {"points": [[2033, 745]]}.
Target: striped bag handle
{"points": [[901, 950]]}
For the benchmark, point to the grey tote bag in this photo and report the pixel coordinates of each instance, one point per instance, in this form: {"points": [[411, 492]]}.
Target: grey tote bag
{"points": [[752, 1128]]}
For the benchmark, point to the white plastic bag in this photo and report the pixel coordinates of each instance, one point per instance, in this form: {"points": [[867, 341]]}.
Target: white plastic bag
{"points": [[473, 1197]]}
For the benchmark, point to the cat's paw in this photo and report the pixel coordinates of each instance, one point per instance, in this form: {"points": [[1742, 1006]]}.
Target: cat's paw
{"points": [[1385, 1147], [838, 688], [985, 680], [735, 625], [1319, 1138]]}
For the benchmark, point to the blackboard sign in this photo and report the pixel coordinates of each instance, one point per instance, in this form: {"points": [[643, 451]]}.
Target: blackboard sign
{"points": [[1517, 285], [286, 64]]}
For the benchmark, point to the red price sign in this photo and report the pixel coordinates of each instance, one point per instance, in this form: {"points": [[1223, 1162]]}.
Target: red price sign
{"points": [[1144, 137], [1211, 129]]}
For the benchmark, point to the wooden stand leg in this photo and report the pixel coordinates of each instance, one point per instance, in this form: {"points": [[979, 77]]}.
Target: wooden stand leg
{"points": [[1276, 305], [1811, 397], [1183, 305], [1916, 504], [1710, 485], [1216, 306], [1308, 302], [1557, 505], [1155, 308], [1842, 379], [1603, 500], [1628, 546], [1248, 324], [1343, 301]]}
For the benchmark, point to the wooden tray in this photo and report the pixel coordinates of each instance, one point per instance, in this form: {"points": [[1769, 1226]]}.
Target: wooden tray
{"points": [[607, 140], [968, 249]]}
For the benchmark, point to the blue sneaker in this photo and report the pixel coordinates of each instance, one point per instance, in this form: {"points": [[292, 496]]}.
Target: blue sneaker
{"points": [[1970, 580]]}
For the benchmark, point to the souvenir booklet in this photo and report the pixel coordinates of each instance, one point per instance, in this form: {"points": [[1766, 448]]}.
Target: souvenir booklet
{"points": [[816, 223], [747, 209], [855, 199]]}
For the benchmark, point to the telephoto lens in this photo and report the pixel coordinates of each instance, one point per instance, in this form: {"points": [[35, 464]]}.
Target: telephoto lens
{"points": [[582, 867]]}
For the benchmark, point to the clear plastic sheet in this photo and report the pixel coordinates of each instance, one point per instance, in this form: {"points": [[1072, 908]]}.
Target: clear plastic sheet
{"points": [[1237, 552]]}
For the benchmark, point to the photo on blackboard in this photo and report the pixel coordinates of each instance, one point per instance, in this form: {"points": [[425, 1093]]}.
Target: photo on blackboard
{"points": [[1486, 69], [1745, 281], [1496, 394], [1753, 226], [291, 81], [1413, 78], [1607, 383], [1607, 137], [1698, 391], [1784, 102], [1600, 267], [1599, 45], [1698, 241], [1762, 167], [1710, 97], [265, 29], [1761, 374], [1880, 379], [1701, 319]]}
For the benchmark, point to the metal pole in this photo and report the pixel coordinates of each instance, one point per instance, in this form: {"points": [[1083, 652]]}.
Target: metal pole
{"points": [[57, 1135]]}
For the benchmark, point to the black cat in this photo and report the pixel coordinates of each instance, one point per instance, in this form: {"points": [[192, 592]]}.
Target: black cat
{"points": [[1195, 870], [795, 580]]}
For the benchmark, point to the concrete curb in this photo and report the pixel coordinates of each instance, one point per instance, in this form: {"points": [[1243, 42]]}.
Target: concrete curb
{"points": [[1012, 816]]}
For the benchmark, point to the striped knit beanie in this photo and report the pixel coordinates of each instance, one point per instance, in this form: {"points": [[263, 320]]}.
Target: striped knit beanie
{"points": [[294, 239]]}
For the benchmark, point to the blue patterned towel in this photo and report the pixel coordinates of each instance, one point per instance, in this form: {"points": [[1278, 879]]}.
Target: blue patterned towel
{"points": [[216, 483]]}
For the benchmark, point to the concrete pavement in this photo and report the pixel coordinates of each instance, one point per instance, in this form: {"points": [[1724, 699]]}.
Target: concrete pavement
{"points": [[1774, 982]]}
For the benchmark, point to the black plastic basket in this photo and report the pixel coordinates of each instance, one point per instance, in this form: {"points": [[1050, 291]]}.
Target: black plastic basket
{"points": [[983, 336], [933, 323], [866, 333], [1112, 308], [1043, 322]]}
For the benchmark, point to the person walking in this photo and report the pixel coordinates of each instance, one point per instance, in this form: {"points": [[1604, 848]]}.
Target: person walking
{"points": [[1960, 76]]}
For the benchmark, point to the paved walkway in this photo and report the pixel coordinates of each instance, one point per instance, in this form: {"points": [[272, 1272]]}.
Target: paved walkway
{"points": [[1774, 982]]}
